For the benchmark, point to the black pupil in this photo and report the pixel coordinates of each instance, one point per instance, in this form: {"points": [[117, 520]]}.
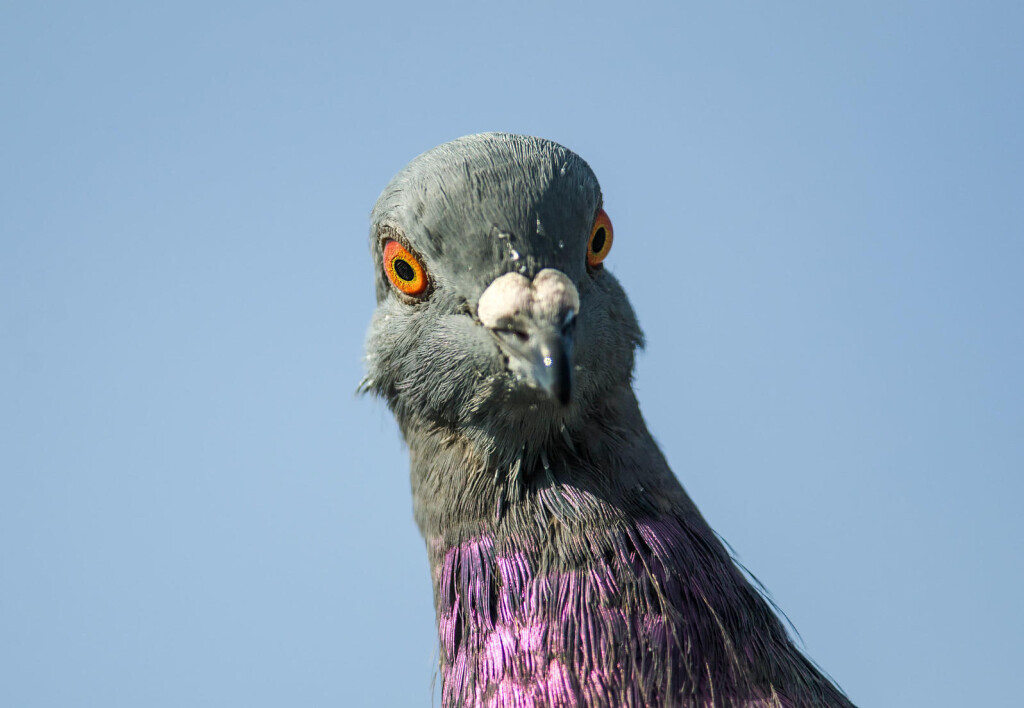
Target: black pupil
{"points": [[404, 270], [598, 243]]}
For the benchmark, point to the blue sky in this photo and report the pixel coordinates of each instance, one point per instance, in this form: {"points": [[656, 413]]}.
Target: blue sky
{"points": [[195, 508]]}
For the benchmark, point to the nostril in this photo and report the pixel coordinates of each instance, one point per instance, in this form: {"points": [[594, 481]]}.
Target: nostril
{"points": [[518, 334], [570, 324], [512, 334]]}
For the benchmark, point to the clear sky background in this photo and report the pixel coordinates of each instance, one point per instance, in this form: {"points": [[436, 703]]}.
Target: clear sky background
{"points": [[818, 212]]}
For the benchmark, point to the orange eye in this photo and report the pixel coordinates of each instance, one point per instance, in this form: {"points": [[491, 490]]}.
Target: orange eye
{"points": [[404, 271], [600, 239]]}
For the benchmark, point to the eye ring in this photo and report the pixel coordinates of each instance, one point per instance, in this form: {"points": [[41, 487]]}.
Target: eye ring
{"points": [[404, 270], [600, 241]]}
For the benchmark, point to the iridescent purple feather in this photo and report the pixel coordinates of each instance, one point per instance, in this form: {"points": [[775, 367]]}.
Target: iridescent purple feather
{"points": [[595, 604]]}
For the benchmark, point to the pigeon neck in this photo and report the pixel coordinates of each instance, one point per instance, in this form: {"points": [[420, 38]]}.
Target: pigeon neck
{"points": [[542, 498], [557, 571], [468, 483]]}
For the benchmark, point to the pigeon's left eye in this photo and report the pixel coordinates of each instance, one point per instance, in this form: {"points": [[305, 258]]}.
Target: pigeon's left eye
{"points": [[600, 239], [404, 271]]}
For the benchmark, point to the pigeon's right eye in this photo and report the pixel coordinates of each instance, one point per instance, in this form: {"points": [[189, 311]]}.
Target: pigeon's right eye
{"points": [[404, 271]]}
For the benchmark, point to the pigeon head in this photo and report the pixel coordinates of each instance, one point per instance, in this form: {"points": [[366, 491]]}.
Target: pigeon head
{"points": [[495, 313]]}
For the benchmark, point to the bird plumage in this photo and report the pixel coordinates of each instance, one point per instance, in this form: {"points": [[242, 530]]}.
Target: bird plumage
{"points": [[570, 567]]}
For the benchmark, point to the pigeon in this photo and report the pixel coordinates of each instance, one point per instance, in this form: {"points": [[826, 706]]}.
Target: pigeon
{"points": [[569, 566]]}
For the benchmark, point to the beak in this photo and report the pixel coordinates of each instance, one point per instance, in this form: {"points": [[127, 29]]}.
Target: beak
{"points": [[535, 322], [542, 355]]}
